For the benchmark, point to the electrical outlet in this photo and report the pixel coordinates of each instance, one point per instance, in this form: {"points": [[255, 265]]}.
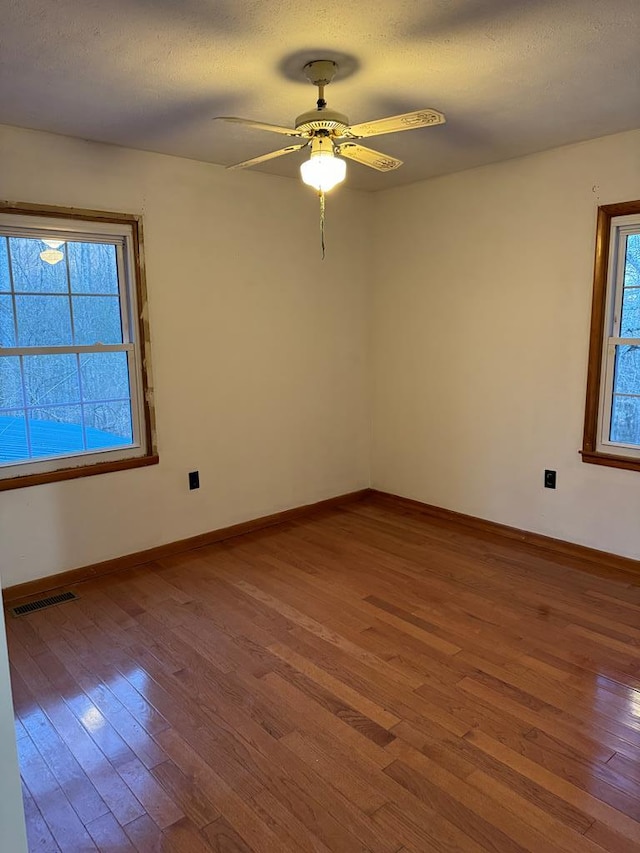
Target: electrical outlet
{"points": [[194, 480], [549, 479]]}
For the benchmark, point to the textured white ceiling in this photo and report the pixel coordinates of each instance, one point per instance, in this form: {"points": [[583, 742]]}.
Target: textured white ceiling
{"points": [[512, 76]]}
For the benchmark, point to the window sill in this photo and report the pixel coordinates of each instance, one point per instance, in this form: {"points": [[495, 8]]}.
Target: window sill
{"points": [[79, 471], [630, 463]]}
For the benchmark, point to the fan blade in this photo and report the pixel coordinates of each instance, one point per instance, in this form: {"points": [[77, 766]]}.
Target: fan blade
{"points": [[368, 157], [264, 157], [407, 121], [274, 128]]}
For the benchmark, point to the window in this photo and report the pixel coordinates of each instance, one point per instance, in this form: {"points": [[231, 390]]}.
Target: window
{"points": [[73, 390], [612, 421]]}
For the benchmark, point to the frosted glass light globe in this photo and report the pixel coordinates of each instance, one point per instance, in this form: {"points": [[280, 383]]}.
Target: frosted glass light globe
{"points": [[323, 170]]}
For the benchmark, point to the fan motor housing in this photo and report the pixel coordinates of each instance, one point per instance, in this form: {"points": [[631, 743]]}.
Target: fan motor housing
{"points": [[334, 122]]}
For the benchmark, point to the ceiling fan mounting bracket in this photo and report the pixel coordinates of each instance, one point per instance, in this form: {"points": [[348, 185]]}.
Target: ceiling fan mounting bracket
{"points": [[320, 72]]}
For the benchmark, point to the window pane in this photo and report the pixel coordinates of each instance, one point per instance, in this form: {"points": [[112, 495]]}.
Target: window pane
{"points": [[7, 328], [632, 261], [108, 425], [56, 430], [51, 379], [30, 272], [630, 326], [43, 321], [96, 319], [5, 282], [105, 376], [625, 420], [10, 383], [92, 267], [627, 370], [13, 437]]}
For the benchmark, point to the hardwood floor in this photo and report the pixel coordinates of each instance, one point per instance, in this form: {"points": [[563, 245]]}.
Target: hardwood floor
{"points": [[362, 680]]}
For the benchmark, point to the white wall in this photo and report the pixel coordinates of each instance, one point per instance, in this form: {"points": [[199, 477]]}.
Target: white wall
{"points": [[258, 348], [481, 312], [481, 302], [12, 830]]}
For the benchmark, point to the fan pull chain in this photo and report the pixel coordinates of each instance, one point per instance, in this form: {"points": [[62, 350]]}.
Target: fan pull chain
{"points": [[322, 208]]}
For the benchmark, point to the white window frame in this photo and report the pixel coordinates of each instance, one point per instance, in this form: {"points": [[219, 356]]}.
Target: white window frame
{"points": [[122, 234], [621, 227]]}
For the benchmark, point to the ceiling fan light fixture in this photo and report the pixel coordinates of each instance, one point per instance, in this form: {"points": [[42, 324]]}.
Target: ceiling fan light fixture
{"points": [[323, 170], [51, 256], [329, 133]]}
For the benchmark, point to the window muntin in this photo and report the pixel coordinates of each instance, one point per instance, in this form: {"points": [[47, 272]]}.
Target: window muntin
{"points": [[71, 391]]}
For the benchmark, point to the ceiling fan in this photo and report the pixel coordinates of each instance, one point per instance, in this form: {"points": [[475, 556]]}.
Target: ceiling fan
{"points": [[328, 133]]}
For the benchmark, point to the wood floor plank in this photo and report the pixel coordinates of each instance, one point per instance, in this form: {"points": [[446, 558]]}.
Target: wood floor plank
{"points": [[144, 834], [371, 683], [608, 839], [184, 837], [61, 819], [316, 628], [158, 804], [286, 826], [186, 794], [583, 800], [482, 830], [590, 738], [363, 795], [335, 686], [544, 823], [77, 787], [314, 717], [39, 835], [364, 680], [462, 758], [102, 775], [222, 838], [130, 733], [423, 831], [68, 680], [232, 806], [108, 835], [342, 710]]}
